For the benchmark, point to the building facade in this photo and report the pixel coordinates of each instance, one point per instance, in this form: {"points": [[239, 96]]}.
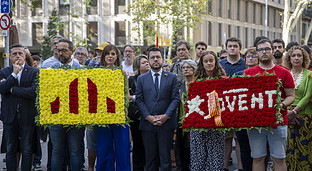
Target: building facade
{"points": [[108, 22]]}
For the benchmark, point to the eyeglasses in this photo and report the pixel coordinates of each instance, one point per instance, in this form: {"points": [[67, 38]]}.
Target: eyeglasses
{"points": [[80, 54], [267, 49], [187, 67], [251, 56], [128, 51]]}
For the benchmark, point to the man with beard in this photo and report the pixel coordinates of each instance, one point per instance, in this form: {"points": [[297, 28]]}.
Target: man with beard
{"points": [[65, 50], [157, 96], [129, 54], [278, 50], [200, 48], [59, 134], [50, 61], [276, 138]]}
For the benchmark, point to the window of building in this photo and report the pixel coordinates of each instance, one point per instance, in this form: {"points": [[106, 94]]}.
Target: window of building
{"points": [[220, 8], [120, 6], [120, 32], [37, 34], [65, 30], [253, 33], [229, 31], [92, 7], [246, 37], [303, 30], [254, 13], [246, 11], [238, 32], [268, 17], [37, 8], [220, 34], [274, 18], [274, 35], [209, 7], [64, 7], [238, 10], [209, 33], [261, 33], [261, 15], [92, 30], [229, 7]]}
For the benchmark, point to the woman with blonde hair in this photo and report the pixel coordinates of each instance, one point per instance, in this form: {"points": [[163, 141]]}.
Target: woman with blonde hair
{"points": [[298, 154]]}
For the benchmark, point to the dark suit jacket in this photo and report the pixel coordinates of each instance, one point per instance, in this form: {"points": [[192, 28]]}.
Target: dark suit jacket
{"points": [[24, 95], [165, 102]]}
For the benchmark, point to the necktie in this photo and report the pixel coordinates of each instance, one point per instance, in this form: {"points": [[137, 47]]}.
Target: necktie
{"points": [[156, 83], [19, 75]]}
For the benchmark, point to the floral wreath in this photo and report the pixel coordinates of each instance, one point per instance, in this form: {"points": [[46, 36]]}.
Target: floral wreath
{"points": [[82, 97], [232, 104]]}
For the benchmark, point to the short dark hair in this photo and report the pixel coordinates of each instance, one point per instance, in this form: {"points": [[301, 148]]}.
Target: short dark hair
{"points": [[222, 51], [16, 45], [153, 49], [264, 41], [234, 39], [132, 47], [36, 57], [70, 44], [291, 44], [279, 41], [201, 43], [257, 39], [181, 42], [306, 47]]}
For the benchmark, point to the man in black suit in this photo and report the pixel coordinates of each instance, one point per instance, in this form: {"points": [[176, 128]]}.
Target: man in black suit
{"points": [[18, 91], [157, 96]]}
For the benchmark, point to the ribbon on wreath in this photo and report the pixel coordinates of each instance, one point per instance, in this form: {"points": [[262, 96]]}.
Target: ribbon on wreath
{"points": [[214, 108]]}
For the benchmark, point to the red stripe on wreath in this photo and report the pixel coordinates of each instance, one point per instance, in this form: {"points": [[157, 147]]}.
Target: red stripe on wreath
{"points": [[73, 96], [110, 105], [55, 105], [92, 96]]}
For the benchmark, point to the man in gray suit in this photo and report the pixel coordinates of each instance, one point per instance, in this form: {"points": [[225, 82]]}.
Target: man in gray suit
{"points": [[157, 96]]}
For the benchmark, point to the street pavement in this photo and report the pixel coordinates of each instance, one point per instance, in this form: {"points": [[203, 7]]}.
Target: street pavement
{"points": [[45, 156]]}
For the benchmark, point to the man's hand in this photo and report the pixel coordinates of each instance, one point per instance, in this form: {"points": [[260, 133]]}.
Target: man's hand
{"points": [[152, 119], [3, 79], [16, 67], [161, 119]]}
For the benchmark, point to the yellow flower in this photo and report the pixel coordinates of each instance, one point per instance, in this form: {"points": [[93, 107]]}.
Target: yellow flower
{"points": [[55, 83]]}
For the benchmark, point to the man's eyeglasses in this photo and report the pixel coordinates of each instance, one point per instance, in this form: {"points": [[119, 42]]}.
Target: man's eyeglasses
{"points": [[81, 54], [128, 51], [267, 49], [251, 56]]}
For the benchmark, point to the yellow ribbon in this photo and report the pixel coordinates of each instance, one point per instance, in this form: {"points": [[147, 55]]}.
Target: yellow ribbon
{"points": [[214, 108]]}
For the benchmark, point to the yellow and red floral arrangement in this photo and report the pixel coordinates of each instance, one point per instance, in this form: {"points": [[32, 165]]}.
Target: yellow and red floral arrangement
{"points": [[245, 102], [81, 96]]}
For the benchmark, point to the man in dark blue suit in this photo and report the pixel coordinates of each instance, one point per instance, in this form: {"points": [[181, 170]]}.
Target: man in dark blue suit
{"points": [[18, 91], [157, 96]]}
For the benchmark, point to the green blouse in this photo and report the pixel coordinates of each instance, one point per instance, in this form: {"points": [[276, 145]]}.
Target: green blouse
{"points": [[304, 93]]}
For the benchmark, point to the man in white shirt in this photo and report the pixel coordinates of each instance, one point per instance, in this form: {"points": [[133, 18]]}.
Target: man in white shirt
{"points": [[129, 55], [50, 61]]}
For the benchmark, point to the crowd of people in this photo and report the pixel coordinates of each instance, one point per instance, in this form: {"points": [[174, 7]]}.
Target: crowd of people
{"points": [[156, 87]]}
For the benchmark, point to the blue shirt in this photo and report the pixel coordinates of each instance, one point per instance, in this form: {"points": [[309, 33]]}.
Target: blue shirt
{"points": [[231, 69]]}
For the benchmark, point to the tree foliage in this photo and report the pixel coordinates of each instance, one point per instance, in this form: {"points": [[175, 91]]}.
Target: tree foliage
{"points": [[177, 14], [291, 17], [54, 26]]}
